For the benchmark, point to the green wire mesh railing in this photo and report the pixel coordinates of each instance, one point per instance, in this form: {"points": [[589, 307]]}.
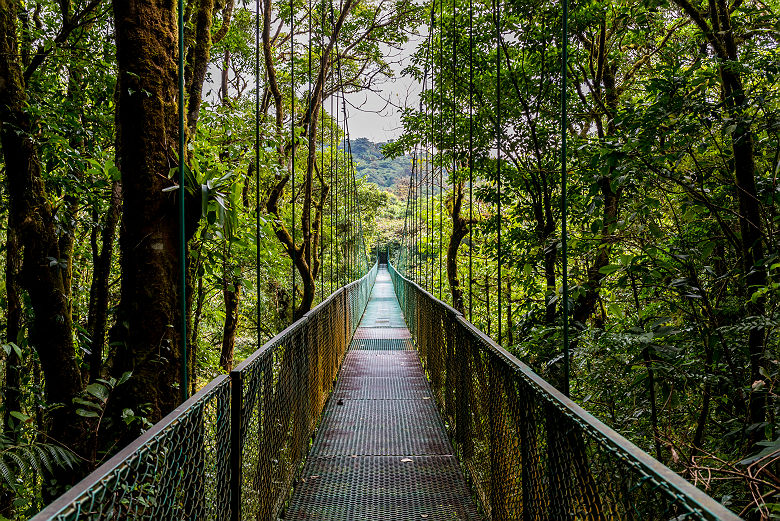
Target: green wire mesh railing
{"points": [[178, 469], [528, 451], [187, 466], [280, 392]]}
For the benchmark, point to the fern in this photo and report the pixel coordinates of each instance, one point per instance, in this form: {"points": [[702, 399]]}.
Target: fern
{"points": [[19, 458]]}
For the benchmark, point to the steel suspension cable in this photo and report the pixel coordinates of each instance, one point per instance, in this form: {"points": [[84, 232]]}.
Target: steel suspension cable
{"points": [[497, 18], [400, 254], [454, 103], [335, 151], [417, 224], [347, 187], [419, 201], [471, 158], [429, 166], [294, 139], [442, 145], [182, 215], [430, 262], [332, 187], [355, 198], [312, 121], [257, 165], [564, 202]]}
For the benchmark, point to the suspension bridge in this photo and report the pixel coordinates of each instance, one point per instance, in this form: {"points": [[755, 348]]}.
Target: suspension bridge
{"points": [[382, 403]]}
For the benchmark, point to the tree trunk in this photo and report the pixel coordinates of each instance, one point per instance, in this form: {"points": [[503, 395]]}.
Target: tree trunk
{"points": [[198, 60], [42, 277], [98, 298], [460, 228], [232, 295], [752, 237], [195, 300], [146, 333], [585, 306], [720, 37], [224, 92], [12, 397]]}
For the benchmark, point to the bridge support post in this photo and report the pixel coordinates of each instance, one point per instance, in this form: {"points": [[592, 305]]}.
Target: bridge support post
{"points": [[462, 395], [347, 318], [236, 402]]}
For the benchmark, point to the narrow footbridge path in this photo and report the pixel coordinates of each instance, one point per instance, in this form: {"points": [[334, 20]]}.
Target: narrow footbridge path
{"points": [[382, 403], [381, 451]]}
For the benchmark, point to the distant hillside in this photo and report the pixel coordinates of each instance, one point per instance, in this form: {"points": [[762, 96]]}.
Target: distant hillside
{"points": [[370, 162]]}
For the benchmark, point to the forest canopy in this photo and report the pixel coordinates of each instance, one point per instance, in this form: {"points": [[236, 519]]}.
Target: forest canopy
{"points": [[274, 220], [672, 161], [673, 272]]}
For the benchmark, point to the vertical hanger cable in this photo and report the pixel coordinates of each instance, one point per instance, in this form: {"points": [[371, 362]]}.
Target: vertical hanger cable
{"points": [[497, 19], [564, 202], [471, 158], [292, 150], [182, 215]]}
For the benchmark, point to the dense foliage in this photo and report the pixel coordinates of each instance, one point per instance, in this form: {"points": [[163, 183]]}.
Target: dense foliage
{"points": [[371, 164], [673, 156], [92, 351], [672, 165]]}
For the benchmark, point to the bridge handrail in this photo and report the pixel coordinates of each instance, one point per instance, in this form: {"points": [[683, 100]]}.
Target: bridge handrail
{"points": [[278, 394], [186, 465], [143, 478], [577, 443]]}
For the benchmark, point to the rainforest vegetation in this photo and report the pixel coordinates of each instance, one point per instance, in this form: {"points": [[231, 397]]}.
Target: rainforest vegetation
{"points": [[92, 351], [673, 156], [672, 204]]}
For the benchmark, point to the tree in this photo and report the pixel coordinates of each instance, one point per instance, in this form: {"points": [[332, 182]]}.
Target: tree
{"points": [[44, 269], [146, 337], [351, 65]]}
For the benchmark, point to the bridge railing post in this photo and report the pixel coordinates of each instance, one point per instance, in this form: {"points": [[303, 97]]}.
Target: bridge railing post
{"points": [[236, 405]]}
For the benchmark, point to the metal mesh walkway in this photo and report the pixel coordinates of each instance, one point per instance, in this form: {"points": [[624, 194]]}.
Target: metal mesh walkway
{"points": [[381, 451]]}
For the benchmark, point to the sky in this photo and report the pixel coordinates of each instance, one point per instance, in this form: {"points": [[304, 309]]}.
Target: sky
{"points": [[377, 115]]}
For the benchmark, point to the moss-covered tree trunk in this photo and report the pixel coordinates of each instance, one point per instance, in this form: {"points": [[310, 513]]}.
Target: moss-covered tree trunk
{"points": [[147, 333], [11, 394], [97, 317], [147, 337], [42, 276], [231, 292], [460, 228]]}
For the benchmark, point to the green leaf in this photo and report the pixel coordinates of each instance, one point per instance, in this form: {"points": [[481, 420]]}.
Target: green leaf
{"points": [[770, 447], [609, 268], [87, 403], [125, 377], [8, 476], [20, 416], [655, 230], [97, 390], [87, 414]]}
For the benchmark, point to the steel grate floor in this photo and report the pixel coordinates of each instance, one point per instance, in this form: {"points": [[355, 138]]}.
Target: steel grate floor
{"points": [[382, 332], [381, 451], [382, 488], [382, 344]]}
